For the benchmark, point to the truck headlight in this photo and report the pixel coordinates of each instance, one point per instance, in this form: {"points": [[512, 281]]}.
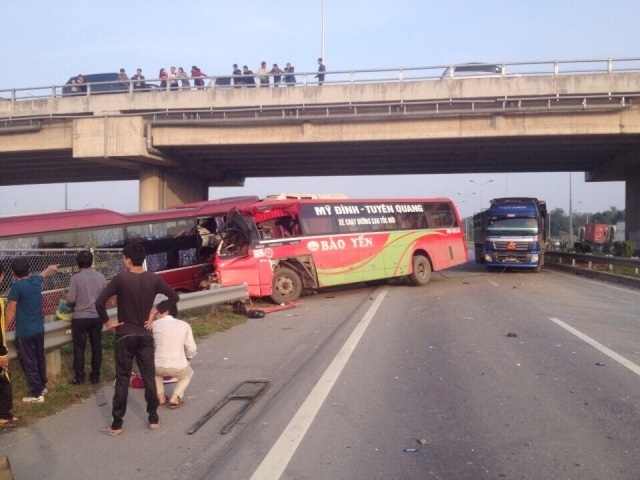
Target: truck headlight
{"points": [[535, 258]]}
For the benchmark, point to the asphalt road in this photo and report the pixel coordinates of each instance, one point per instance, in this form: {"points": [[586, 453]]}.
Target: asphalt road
{"points": [[512, 375]]}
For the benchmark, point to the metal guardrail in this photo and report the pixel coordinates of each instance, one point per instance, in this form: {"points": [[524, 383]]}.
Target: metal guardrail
{"points": [[57, 333], [582, 264], [584, 258], [352, 77]]}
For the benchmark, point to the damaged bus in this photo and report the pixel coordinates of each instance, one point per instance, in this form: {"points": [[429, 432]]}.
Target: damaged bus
{"points": [[282, 246], [180, 241]]}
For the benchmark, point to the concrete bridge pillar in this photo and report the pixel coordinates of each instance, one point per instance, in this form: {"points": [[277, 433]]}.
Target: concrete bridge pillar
{"points": [[632, 207], [164, 187]]}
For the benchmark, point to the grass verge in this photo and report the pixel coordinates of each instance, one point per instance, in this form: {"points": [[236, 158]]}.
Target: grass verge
{"points": [[203, 322]]}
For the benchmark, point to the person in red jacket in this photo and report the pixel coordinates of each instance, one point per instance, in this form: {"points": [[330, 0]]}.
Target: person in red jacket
{"points": [[197, 75]]}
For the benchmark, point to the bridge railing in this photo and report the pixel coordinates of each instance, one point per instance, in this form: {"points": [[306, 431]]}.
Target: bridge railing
{"points": [[349, 77]]}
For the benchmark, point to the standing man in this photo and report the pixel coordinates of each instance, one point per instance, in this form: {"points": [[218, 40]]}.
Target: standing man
{"points": [[321, 70], [237, 73], [84, 289], [25, 306], [123, 80], [139, 79], [277, 75], [263, 74], [135, 290], [6, 394], [289, 78], [175, 347]]}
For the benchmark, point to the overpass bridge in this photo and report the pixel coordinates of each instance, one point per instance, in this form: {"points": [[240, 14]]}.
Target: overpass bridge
{"points": [[542, 117]]}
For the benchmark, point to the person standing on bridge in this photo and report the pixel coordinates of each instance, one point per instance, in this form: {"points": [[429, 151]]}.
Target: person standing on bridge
{"points": [[237, 73], [289, 78], [197, 75], [135, 289], [139, 79], [248, 77], [277, 75], [321, 70], [163, 78], [123, 80], [263, 74], [173, 79], [184, 79]]}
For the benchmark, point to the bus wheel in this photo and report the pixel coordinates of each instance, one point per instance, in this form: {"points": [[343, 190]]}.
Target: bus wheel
{"points": [[287, 286], [421, 270]]}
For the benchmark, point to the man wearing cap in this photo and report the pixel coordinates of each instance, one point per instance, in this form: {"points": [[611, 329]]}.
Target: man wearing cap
{"points": [[25, 307], [84, 289]]}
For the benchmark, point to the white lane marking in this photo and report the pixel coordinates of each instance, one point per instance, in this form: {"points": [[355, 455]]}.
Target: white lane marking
{"points": [[274, 464], [607, 351]]}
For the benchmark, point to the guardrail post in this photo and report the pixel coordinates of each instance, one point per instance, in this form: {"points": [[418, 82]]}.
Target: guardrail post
{"points": [[53, 361], [609, 65], [573, 262], [590, 264], [556, 68]]}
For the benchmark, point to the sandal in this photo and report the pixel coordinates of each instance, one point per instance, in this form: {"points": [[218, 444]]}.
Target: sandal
{"points": [[111, 432], [173, 406]]}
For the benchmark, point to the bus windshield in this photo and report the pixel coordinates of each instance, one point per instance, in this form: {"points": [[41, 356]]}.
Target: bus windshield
{"points": [[512, 225]]}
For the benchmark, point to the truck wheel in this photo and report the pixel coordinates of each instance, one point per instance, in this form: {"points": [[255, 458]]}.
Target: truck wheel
{"points": [[421, 270], [287, 286]]}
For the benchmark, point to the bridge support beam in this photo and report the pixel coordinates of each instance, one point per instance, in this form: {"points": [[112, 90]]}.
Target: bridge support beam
{"points": [[163, 187], [632, 207]]}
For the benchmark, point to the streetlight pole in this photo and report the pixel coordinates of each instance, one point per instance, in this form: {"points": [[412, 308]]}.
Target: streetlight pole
{"points": [[570, 214], [481, 185], [322, 48], [466, 216]]}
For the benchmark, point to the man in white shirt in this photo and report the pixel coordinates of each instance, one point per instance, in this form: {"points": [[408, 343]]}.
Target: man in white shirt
{"points": [[174, 347]]}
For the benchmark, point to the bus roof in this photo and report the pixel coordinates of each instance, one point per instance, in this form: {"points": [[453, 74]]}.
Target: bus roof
{"points": [[98, 217]]}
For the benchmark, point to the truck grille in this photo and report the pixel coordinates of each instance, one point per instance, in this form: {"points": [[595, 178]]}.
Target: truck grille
{"points": [[503, 246]]}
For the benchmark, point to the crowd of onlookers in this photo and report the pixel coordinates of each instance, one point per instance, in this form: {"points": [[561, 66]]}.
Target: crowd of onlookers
{"points": [[179, 79]]}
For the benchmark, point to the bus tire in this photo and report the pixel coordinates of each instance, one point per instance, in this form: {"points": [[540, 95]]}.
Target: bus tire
{"points": [[421, 270], [287, 286]]}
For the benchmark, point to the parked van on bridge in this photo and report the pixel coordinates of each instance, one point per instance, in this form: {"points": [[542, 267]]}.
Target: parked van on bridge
{"points": [[100, 83]]}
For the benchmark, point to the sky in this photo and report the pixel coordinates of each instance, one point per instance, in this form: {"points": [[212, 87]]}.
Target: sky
{"points": [[46, 43]]}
